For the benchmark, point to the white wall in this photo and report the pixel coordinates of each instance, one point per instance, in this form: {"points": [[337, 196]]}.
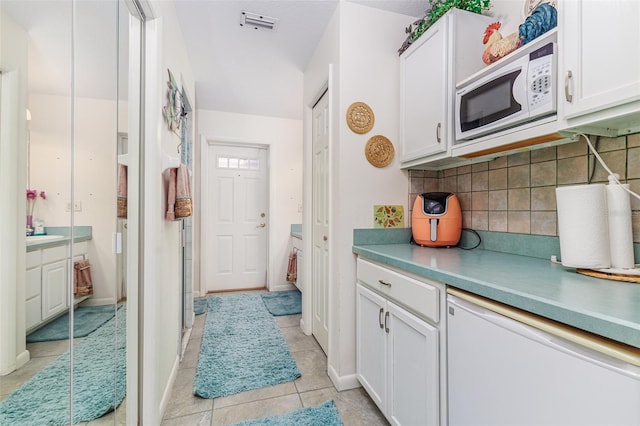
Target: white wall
{"points": [[160, 314], [284, 138], [95, 174], [367, 71], [13, 142]]}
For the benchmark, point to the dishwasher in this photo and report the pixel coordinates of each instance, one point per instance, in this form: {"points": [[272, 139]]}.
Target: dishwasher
{"points": [[510, 367]]}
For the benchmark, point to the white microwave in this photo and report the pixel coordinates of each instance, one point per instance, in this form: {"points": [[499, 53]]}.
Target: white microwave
{"points": [[518, 89]]}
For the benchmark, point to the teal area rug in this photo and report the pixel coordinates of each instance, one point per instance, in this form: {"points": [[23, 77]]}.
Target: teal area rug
{"points": [[99, 382], [323, 415], [86, 319], [242, 348], [200, 305], [283, 302]]}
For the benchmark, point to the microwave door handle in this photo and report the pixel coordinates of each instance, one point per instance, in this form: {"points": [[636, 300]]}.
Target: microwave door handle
{"points": [[520, 89]]}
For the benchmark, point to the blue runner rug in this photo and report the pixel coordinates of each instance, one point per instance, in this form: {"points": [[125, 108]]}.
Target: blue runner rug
{"points": [[86, 319], [323, 415], [283, 302], [199, 305], [242, 348], [99, 382]]}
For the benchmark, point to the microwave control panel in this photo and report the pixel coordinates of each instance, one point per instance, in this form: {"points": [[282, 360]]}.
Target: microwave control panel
{"points": [[541, 78]]}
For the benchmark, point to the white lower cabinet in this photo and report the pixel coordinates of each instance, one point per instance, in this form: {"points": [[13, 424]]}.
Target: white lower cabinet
{"points": [[54, 288], [397, 360], [48, 282]]}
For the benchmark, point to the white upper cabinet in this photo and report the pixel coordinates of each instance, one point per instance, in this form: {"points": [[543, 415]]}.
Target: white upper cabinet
{"points": [[449, 51], [423, 93], [600, 65]]}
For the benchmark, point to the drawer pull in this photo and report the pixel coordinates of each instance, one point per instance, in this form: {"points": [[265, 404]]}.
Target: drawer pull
{"points": [[383, 282], [386, 319], [380, 317]]}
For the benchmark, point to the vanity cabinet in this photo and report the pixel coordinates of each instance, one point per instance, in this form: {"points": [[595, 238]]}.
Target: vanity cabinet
{"points": [[398, 349], [47, 282], [600, 68], [449, 51]]}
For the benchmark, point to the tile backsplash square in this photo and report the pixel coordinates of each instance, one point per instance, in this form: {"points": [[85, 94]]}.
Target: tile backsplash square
{"points": [[516, 193]]}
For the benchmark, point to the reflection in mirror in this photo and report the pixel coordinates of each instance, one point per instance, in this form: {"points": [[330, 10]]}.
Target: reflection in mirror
{"points": [[77, 99]]}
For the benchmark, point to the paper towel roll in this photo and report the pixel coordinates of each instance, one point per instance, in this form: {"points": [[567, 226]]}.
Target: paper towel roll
{"points": [[582, 226], [620, 228]]}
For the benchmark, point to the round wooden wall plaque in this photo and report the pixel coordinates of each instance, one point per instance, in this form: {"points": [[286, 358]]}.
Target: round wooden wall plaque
{"points": [[360, 117], [379, 151]]}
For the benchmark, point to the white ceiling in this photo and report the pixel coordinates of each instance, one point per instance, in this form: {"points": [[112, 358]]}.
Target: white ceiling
{"points": [[236, 69], [240, 69]]}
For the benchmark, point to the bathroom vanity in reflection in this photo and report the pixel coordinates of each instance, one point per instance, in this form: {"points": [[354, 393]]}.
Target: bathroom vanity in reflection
{"points": [[48, 268]]}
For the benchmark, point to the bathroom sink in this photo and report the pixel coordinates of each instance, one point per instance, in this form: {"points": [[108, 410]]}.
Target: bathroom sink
{"points": [[35, 239]]}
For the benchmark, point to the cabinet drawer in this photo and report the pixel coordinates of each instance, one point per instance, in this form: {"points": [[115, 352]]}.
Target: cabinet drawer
{"points": [[80, 248], [417, 296], [34, 258], [54, 254]]}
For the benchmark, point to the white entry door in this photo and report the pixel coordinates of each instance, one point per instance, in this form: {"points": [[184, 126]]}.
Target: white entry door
{"points": [[235, 221], [320, 219]]}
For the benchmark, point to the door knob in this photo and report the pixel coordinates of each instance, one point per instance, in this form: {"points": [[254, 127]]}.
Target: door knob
{"points": [[262, 225]]}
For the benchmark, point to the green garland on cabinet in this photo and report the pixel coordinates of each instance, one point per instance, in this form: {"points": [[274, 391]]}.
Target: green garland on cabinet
{"points": [[437, 10]]}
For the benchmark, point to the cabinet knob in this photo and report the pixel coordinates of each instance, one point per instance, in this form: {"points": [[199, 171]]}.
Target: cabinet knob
{"points": [[438, 128], [386, 320], [262, 225], [380, 317]]}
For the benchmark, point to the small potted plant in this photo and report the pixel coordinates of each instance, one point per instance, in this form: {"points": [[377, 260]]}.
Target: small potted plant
{"points": [[437, 10], [32, 196]]}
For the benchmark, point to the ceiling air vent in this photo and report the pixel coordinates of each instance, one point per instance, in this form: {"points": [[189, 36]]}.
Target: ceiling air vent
{"points": [[258, 22]]}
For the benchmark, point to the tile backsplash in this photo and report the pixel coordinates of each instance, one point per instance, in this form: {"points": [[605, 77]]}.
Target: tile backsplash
{"points": [[516, 193]]}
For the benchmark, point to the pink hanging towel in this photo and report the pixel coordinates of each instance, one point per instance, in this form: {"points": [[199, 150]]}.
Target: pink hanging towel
{"points": [[183, 192], [171, 195], [292, 269]]}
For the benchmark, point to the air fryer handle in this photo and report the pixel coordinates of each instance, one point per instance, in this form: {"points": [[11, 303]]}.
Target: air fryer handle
{"points": [[433, 227]]}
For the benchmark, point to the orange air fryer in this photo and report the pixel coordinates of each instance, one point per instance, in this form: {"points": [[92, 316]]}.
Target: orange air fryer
{"points": [[436, 219]]}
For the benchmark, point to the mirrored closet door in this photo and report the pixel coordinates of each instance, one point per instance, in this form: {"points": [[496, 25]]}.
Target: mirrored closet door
{"points": [[72, 283]]}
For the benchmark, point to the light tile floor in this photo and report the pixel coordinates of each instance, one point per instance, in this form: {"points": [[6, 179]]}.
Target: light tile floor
{"points": [[312, 388]]}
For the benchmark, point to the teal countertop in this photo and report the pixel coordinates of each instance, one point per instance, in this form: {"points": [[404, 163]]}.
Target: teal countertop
{"points": [[80, 233], [603, 307]]}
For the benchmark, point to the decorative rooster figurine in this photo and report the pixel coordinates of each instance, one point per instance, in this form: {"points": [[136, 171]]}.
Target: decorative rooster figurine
{"points": [[496, 45]]}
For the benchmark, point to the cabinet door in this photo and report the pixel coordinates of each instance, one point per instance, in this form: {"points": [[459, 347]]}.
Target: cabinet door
{"points": [[413, 369], [423, 95], [54, 288], [371, 353], [599, 68], [33, 299]]}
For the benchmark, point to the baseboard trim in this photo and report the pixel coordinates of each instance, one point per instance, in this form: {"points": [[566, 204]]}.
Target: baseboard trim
{"points": [[22, 358], [166, 395], [303, 326], [343, 383], [283, 287], [92, 301]]}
